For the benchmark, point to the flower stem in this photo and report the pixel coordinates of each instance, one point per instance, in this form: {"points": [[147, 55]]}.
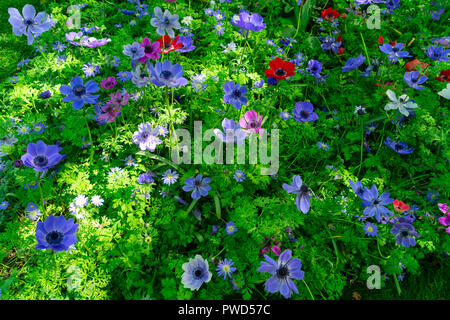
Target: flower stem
{"points": [[91, 155], [243, 50], [365, 48], [310, 293], [362, 143], [298, 26], [40, 191]]}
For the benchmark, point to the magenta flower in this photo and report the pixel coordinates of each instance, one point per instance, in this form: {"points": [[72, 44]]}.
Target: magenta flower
{"points": [[118, 99], [109, 113], [445, 221], [151, 50], [252, 123], [443, 207], [108, 83]]}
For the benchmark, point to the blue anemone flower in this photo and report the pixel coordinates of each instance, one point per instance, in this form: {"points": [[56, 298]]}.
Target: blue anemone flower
{"points": [[56, 233], [79, 93], [353, 63], [375, 205], [302, 191], [282, 272], [235, 94], [399, 147], [199, 185]]}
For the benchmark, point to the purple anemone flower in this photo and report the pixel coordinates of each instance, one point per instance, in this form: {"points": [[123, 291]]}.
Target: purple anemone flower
{"points": [[31, 24], [414, 80], [42, 157], [145, 178], [302, 191], [186, 44], [166, 74], [405, 233], [196, 272], [165, 22], [303, 112], [150, 50], [146, 137], [314, 68], [282, 272], [357, 187], [394, 52], [56, 233], [232, 132], [72, 36], [79, 93], [437, 53], [375, 205], [92, 42], [234, 94], [399, 147], [135, 51], [353, 63], [248, 21], [199, 185]]}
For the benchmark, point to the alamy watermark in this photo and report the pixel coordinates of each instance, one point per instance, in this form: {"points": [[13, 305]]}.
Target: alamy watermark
{"points": [[374, 280], [227, 151]]}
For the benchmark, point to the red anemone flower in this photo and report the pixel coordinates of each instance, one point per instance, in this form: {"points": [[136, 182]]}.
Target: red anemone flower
{"points": [[169, 44], [280, 69], [414, 66], [444, 76], [400, 206], [330, 14]]}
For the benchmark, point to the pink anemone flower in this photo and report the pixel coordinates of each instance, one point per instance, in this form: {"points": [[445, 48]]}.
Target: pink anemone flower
{"points": [[110, 113], [108, 83], [119, 100], [252, 123]]}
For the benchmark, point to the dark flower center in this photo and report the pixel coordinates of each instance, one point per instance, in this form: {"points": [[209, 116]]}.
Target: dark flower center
{"points": [[304, 114], [166, 74], [198, 273], [304, 188], [375, 202], [40, 160], [79, 91], [280, 72], [54, 237], [148, 49], [253, 124], [197, 183], [28, 22], [398, 146], [236, 94], [395, 49], [404, 233], [283, 272], [145, 135], [109, 108], [166, 21]]}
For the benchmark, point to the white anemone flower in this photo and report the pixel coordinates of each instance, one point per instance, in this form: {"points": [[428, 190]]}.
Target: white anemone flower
{"points": [[401, 104]]}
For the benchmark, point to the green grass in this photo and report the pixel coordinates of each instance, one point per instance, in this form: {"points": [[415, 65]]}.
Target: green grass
{"points": [[430, 284]]}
